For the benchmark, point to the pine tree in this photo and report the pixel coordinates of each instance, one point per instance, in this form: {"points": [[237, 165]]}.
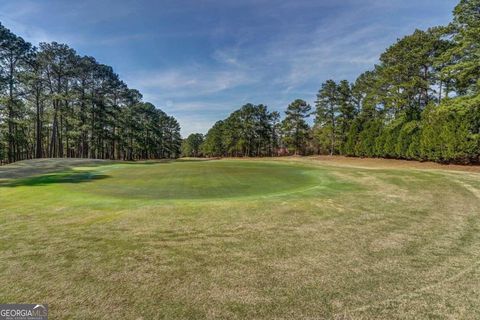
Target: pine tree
{"points": [[462, 59], [327, 114], [295, 128]]}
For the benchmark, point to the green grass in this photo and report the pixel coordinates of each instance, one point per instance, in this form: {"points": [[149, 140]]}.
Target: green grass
{"points": [[236, 239]]}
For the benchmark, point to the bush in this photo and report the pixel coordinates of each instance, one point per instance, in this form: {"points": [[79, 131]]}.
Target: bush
{"points": [[366, 146], [408, 142], [387, 142], [446, 133], [352, 138], [451, 131]]}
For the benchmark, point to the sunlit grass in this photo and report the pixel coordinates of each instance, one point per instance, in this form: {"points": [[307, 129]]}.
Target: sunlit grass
{"points": [[237, 239]]}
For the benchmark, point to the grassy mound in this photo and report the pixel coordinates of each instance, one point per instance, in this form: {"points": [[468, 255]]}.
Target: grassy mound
{"points": [[204, 180], [175, 180]]}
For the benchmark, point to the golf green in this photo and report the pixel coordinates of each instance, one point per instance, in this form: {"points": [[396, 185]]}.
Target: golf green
{"points": [[183, 180]]}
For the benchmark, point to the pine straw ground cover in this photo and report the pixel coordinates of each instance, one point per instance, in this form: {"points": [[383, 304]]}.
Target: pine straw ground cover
{"points": [[236, 239]]}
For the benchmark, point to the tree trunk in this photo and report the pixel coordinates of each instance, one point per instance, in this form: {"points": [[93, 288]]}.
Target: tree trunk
{"points": [[11, 136], [440, 92], [53, 141], [38, 128]]}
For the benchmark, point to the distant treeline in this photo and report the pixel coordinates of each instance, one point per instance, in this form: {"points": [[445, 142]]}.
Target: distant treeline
{"points": [[422, 101], [55, 103]]}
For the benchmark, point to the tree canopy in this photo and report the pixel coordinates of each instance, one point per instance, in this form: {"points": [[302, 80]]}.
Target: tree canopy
{"points": [[55, 103], [421, 101]]}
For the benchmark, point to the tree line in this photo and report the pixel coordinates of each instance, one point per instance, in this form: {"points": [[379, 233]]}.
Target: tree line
{"points": [[55, 103], [421, 101]]}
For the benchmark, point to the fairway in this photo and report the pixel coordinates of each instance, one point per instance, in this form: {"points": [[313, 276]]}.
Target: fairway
{"points": [[234, 239]]}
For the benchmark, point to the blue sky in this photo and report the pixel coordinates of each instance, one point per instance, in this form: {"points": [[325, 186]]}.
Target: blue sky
{"points": [[200, 60]]}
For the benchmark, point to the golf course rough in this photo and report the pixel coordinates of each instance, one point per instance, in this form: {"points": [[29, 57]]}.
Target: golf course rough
{"points": [[235, 239]]}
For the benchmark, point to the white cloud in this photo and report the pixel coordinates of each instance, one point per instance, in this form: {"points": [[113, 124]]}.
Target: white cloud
{"points": [[197, 116], [271, 54], [189, 81]]}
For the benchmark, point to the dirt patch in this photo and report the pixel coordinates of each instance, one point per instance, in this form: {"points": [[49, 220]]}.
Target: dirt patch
{"points": [[367, 163], [391, 163]]}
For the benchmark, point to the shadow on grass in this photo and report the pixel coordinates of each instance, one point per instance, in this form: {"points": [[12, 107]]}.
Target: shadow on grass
{"points": [[48, 171], [29, 168], [54, 178]]}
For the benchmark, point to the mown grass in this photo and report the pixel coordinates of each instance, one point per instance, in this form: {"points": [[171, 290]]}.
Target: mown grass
{"points": [[236, 239]]}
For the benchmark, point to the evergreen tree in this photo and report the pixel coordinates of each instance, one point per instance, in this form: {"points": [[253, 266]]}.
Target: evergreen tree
{"points": [[55, 103], [462, 59], [295, 128], [191, 145], [14, 56], [327, 115]]}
